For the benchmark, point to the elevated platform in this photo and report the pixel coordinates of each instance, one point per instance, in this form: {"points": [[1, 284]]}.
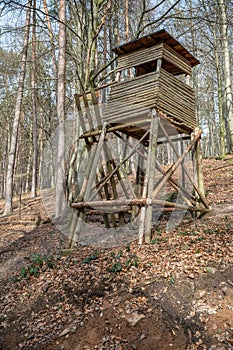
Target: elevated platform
{"points": [[130, 103], [152, 102]]}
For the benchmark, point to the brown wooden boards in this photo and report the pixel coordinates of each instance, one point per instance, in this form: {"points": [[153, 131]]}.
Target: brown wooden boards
{"points": [[154, 39], [132, 100], [151, 54]]}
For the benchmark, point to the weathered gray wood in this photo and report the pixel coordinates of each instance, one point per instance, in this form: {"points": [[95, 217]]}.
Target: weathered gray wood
{"points": [[84, 194], [183, 165], [158, 64], [131, 202], [112, 172], [105, 195], [176, 59], [151, 172], [78, 217], [138, 57], [145, 55], [178, 187], [110, 162], [115, 128], [132, 99], [175, 165], [96, 107], [147, 180], [200, 190]]}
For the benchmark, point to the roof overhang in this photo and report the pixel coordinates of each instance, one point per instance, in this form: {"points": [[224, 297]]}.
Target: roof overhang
{"points": [[153, 39]]}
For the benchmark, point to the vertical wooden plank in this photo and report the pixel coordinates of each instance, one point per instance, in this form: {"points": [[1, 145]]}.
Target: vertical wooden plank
{"points": [[108, 157], [182, 165], [175, 166], [151, 173], [95, 161], [140, 175], [198, 166], [107, 197], [158, 64], [146, 211], [78, 218], [200, 177]]}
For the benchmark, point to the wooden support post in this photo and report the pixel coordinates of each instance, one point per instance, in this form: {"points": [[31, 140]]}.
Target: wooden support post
{"points": [[198, 169], [146, 212], [184, 168], [151, 173], [178, 187], [79, 216], [77, 223], [95, 162], [200, 178], [82, 121], [96, 108], [175, 166], [187, 79], [117, 167], [159, 64], [108, 157], [108, 197], [118, 76], [140, 175], [182, 164]]}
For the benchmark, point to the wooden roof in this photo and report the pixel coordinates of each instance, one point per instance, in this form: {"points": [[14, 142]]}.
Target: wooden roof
{"points": [[152, 40]]}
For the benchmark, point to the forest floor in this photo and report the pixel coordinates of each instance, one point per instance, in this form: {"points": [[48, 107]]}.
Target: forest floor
{"points": [[176, 293]]}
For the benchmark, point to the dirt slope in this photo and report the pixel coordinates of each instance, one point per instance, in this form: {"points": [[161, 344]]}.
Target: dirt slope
{"points": [[176, 293]]}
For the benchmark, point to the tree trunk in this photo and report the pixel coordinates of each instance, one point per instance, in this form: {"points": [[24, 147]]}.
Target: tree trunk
{"points": [[15, 127], [49, 26], [222, 132], [60, 170], [34, 109], [227, 71], [126, 20]]}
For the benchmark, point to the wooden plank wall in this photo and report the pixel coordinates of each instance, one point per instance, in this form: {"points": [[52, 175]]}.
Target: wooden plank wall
{"points": [[176, 99], [176, 59], [143, 56], [132, 100], [136, 58]]}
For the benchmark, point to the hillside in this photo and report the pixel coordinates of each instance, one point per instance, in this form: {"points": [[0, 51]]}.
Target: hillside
{"points": [[176, 293]]}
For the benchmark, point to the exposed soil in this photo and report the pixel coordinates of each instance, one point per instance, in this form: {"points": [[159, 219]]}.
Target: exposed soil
{"points": [[176, 293]]}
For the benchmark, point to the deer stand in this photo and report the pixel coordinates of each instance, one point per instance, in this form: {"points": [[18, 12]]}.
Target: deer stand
{"points": [[119, 198], [146, 114]]}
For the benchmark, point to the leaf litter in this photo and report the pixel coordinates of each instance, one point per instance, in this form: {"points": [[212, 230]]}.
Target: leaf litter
{"points": [[174, 293]]}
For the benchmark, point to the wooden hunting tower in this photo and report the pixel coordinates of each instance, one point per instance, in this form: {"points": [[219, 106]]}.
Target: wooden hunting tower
{"points": [[151, 102]]}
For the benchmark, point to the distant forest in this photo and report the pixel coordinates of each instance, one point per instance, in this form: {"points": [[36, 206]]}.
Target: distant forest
{"points": [[50, 50]]}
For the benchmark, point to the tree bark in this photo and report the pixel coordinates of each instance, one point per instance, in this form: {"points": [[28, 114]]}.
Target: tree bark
{"points": [[34, 109], [15, 127], [54, 62], [61, 85], [227, 70], [222, 132]]}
